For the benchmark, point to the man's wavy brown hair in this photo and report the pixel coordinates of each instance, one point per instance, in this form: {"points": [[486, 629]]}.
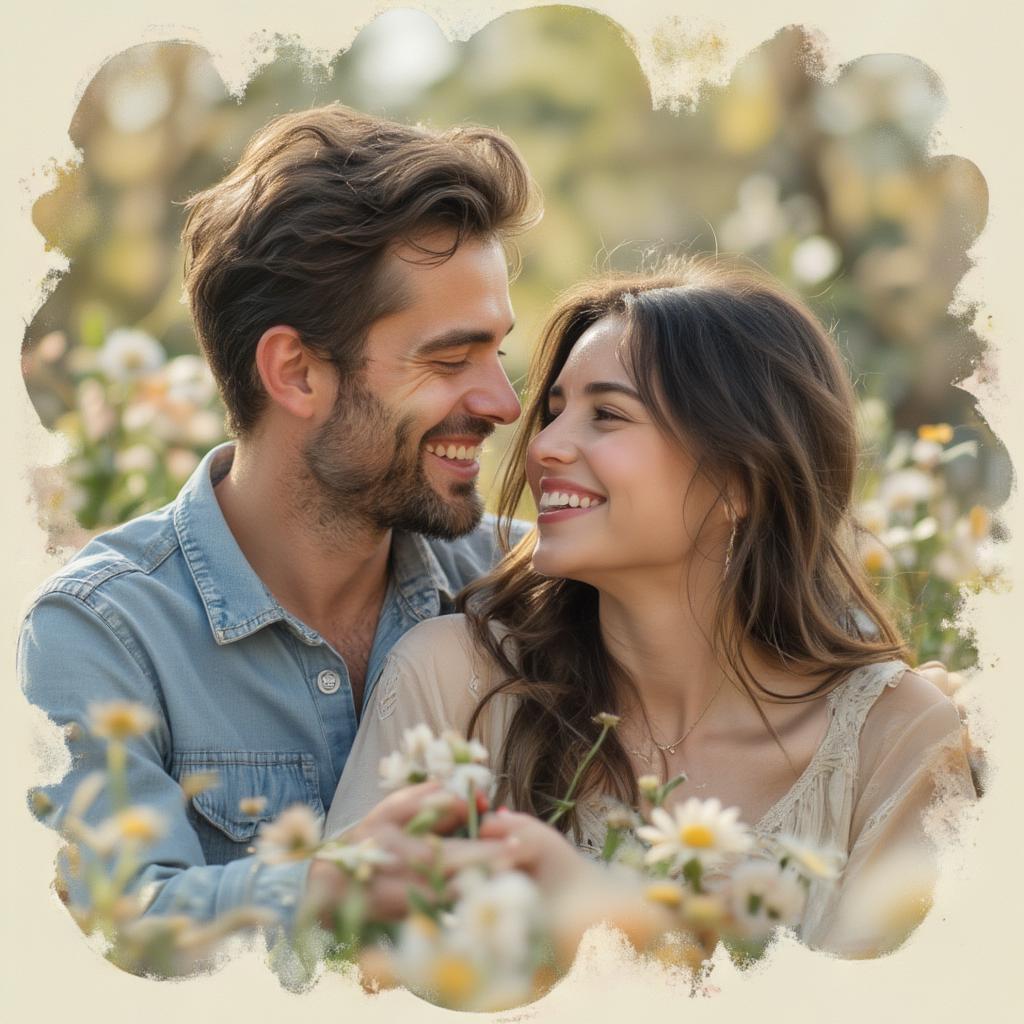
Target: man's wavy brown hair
{"points": [[297, 233], [744, 376]]}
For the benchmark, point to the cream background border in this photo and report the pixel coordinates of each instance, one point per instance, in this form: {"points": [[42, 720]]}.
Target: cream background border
{"points": [[963, 959]]}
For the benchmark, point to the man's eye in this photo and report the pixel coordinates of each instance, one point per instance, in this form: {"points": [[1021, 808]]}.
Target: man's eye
{"points": [[444, 364]]}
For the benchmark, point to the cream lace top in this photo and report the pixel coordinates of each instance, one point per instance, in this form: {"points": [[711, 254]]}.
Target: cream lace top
{"points": [[890, 772]]}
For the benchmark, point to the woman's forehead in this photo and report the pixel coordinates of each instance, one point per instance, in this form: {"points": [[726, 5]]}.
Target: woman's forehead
{"points": [[599, 352]]}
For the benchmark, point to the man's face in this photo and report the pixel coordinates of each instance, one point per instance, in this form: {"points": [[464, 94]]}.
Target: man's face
{"points": [[393, 451]]}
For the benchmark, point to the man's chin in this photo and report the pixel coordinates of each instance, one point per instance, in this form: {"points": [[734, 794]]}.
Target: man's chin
{"points": [[438, 518]]}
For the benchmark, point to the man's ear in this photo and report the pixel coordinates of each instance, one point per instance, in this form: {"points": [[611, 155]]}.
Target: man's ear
{"points": [[294, 378]]}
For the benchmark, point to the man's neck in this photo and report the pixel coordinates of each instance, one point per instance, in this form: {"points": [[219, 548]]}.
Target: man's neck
{"points": [[326, 576]]}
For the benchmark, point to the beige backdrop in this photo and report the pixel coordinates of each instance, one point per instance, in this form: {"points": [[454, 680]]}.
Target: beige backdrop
{"points": [[963, 960]]}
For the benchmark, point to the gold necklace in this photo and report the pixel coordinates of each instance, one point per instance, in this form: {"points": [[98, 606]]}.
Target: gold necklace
{"points": [[670, 748]]}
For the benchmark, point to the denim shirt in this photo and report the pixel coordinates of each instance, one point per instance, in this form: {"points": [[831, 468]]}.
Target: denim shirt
{"points": [[166, 611]]}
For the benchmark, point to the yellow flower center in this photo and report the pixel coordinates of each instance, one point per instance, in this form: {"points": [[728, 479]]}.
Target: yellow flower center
{"points": [[940, 432], [665, 893], [136, 826], [874, 560], [453, 977], [978, 518], [696, 836]]}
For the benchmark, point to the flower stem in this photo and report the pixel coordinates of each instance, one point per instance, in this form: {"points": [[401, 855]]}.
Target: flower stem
{"points": [[566, 802]]}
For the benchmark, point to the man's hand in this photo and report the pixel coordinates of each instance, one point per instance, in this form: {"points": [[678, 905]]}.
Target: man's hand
{"points": [[415, 857]]}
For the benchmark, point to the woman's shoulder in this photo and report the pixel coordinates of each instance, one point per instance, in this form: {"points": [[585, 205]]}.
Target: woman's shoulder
{"points": [[909, 695], [447, 645]]}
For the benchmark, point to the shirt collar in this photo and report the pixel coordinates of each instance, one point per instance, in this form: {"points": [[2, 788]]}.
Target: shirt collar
{"points": [[236, 600]]}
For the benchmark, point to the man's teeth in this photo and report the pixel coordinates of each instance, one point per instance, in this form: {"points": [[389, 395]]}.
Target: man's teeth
{"points": [[453, 451], [561, 499]]}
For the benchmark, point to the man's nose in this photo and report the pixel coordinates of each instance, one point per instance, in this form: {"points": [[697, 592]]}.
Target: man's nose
{"points": [[494, 398]]}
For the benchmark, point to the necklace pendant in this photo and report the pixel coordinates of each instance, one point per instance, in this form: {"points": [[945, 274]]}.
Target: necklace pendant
{"points": [[671, 750]]}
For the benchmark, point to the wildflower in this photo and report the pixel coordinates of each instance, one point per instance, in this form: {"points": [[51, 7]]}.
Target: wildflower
{"points": [[452, 978], [939, 433], [606, 720], [466, 776], [648, 786], [415, 742], [463, 750], [252, 806], [120, 719], [199, 782], [704, 911], [872, 515], [136, 458], [189, 381], [875, 556], [439, 758], [978, 520], [358, 859], [394, 770], [128, 354], [138, 825], [763, 897], [926, 453], [906, 488], [667, 893], [811, 861], [497, 916], [695, 830], [293, 835]]}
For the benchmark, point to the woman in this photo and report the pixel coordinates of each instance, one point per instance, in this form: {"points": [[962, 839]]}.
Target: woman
{"points": [[689, 442]]}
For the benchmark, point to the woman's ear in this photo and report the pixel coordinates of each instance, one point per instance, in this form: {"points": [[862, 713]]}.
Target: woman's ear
{"points": [[295, 380]]}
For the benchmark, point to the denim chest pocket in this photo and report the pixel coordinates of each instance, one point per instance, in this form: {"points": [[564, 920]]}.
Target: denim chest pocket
{"points": [[226, 829]]}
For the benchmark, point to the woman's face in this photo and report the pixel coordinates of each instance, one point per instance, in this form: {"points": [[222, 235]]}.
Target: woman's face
{"points": [[636, 503]]}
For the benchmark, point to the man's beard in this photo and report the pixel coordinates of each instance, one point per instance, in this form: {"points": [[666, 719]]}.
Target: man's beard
{"points": [[364, 468]]}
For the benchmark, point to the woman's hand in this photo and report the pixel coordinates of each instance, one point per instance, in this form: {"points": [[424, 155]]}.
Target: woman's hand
{"points": [[537, 849], [414, 857]]}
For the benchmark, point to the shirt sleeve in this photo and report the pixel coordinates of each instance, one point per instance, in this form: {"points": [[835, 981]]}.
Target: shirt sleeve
{"points": [[431, 676], [104, 665], [913, 783]]}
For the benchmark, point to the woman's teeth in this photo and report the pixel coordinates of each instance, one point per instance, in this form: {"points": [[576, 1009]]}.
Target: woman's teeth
{"points": [[561, 499], [453, 451]]}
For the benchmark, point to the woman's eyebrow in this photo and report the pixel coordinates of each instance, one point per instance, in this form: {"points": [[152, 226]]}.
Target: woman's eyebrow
{"points": [[599, 387]]}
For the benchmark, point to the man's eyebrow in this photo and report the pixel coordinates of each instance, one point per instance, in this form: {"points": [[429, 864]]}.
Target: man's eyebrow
{"points": [[599, 387], [454, 338]]}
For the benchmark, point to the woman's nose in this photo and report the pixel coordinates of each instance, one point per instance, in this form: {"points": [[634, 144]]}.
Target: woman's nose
{"points": [[553, 444]]}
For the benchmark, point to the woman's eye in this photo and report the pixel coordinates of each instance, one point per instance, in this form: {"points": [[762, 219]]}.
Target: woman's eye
{"points": [[606, 414]]}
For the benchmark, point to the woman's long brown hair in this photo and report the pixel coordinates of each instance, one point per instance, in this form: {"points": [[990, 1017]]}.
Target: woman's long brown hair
{"points": [[743, 374]]}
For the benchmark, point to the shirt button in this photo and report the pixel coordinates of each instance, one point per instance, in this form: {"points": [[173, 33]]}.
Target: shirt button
{"points": [[328, 681]]}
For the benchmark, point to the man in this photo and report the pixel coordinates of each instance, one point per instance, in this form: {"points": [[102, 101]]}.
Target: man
{"points": [[349, 288]]}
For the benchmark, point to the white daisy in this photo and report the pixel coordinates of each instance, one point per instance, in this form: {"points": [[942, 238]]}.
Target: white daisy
{"points": [[763, 897], [293, 835], [464, 776], [439, 758], [414, 744], [695, 830], [813, 862], [128, 353], [359, 859], [394, 770], [120, 719]]}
